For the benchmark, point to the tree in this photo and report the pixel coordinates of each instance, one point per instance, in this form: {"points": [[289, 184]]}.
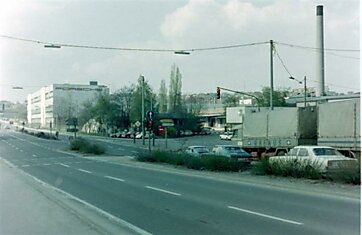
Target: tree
{"points": [[123, 100], [162, 97], [136, 103], [278, 97], [175, 100], [231, 100]]}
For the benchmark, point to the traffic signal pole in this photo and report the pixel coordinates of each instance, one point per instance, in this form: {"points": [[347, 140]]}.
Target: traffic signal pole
{"points": [[238, 92]]}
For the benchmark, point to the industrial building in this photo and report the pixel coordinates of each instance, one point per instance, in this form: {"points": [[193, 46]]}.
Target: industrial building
{"points": [[52, 105]]}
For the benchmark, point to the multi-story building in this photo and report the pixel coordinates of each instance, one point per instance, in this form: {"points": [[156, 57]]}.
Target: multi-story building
{"points": [[51, 105]]}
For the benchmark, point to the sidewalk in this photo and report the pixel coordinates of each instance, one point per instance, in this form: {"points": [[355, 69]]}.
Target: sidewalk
{"points": [[27, 207]]}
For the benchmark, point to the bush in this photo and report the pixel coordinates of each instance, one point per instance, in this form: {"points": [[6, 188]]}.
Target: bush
{"points": [[350, 176], [208, 162], [85, 146], [289, 167]]}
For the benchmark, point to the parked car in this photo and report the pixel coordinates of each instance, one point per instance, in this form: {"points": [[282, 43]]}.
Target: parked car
{"points": [[232, 151], [197, 150], [205, 131], [226, 136], [324, 157], [139, 135]]}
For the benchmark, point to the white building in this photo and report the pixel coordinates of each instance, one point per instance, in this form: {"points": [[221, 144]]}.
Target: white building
{"points": [[51, 105]]}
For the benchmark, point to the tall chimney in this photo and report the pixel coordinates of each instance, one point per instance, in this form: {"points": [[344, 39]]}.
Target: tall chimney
{"points": [[320, 53]]}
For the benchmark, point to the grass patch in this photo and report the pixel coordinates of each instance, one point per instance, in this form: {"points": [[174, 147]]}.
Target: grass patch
{"points": [[207, 162], [86, 146]]}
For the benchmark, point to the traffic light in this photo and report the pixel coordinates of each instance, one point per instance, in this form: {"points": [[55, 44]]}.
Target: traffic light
{"points": [[218, 93]]}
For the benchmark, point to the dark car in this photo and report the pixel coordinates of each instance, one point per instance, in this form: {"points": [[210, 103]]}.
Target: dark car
{"points": [[232, 151]]}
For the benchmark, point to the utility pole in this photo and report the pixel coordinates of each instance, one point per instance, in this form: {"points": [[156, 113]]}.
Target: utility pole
{"points": [[271, 74], [143, 108], [305, 91]]}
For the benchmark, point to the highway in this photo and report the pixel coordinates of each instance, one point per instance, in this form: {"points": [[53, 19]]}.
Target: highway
{"points": [[163, 202]]}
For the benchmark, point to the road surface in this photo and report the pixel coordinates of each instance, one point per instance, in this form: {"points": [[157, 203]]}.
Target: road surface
{"points": [[160, 202]]}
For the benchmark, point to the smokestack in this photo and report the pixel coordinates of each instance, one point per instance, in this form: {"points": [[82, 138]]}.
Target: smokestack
{"points": [[320, 55]]}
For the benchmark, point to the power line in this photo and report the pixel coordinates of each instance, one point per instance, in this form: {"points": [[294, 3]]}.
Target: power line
{"points": [[315, 48], [131, 49], [282, 62]]}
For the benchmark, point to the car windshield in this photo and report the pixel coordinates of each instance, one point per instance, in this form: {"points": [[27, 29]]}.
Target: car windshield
{"points": [[326, 152], [234, 149], [201, 150]]}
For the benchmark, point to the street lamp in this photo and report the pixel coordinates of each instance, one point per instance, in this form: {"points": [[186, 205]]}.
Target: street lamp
{"points": [[305, 88], [181, 52], [52, 46]]}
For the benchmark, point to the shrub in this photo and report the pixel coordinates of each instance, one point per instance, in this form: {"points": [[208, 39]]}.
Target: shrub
{"points": [[289, 167], [209, 162], [85, 146], [349, 176]]}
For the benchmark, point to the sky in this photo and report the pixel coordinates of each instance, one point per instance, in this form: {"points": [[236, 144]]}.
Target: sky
{"points": [[176, 25]]}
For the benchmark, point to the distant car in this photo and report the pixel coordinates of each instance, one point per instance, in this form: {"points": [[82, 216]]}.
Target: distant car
{"points": [[232, 151], [226, 136], [326, 158], [205, 131], [197, 150], [139, 136]]}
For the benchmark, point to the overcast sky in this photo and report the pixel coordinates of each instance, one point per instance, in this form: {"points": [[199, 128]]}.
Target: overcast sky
{"points": [[175, 25]]}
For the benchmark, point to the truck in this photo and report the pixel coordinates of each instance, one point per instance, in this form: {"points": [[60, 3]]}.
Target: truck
{"points": [[275, 132], [339, 126]]}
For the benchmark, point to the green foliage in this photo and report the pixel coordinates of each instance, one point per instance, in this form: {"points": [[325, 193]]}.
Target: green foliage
{"points": [[231, 101], [136, 103], [350, 176], [207, 162], [278, 97], [85, 146], [175, 94], [289, 167]]}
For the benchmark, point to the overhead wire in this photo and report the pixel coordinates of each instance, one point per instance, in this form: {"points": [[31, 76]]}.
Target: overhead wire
{"points": [[132, 49]]}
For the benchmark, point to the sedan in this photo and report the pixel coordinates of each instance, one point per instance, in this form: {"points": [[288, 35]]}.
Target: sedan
{"points": [[232, 151], [324, 157], [226, 136], [197, 150]]}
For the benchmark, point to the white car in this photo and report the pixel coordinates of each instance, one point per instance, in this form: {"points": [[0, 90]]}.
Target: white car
{"points": [[197, 150], [226, 136], [326, 158]]}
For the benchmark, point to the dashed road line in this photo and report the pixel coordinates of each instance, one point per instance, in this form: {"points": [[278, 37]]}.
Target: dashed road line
{"points": [[264, 215], [164, 191], [65, 165], [114, 178], [85, 171]]}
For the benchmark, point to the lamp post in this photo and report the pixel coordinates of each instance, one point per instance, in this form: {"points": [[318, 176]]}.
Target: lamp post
{"points": [[305, 88], [143, 109]]}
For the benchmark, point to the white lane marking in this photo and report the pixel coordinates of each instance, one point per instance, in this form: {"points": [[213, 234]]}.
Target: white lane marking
{"points": [[164, 191], [121, 149], [134, 152], [264, 215], [34, 155], [63, 165], [21, 150], [46, 164], [111, 217], [114, 178], [25, 165], [85, 171]]}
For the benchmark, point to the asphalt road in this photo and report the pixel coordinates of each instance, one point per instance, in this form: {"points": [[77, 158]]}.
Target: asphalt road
{"points": [[162, 202]]}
